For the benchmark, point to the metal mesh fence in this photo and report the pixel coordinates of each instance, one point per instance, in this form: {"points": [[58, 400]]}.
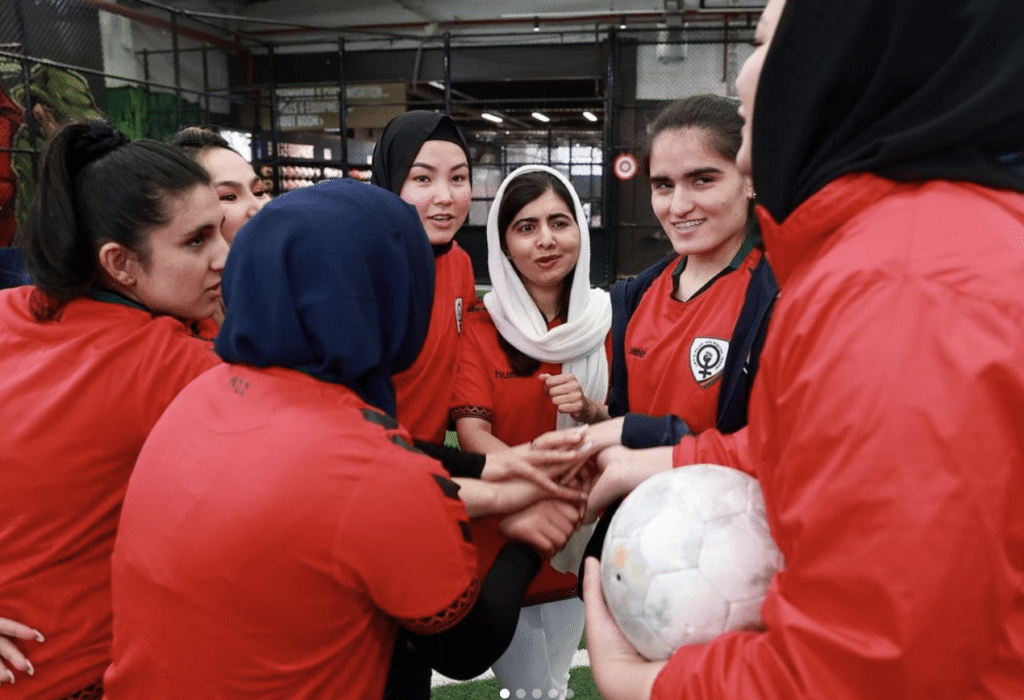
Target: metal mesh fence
{"points": [[309, 110], [667, 64]]}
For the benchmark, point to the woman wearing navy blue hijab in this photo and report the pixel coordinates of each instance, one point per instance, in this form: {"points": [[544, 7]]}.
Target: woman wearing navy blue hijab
{"points": [[272, 547], [336, 282], [279, 528]]}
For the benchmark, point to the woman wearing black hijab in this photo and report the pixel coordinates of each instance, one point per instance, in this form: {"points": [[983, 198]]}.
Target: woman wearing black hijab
{"points": [[885, 421], [422, 157]]}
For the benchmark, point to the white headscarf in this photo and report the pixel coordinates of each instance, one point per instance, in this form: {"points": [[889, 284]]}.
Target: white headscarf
{"points": [[579, 343]]}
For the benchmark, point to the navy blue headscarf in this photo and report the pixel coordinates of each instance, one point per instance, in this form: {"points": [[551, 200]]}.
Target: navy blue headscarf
{"points": [[335, 280]]}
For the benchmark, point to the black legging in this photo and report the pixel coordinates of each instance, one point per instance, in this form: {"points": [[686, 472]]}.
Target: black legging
{"points": [[470, 647]]}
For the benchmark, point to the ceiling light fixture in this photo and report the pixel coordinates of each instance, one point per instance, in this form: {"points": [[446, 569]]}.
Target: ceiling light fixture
{"points": [[589, 116], [536, 24], [622, 22], [492, 117], [540, 117]]}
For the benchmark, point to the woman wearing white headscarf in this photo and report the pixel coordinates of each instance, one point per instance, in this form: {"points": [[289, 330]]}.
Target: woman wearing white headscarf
{"points": [[536, 359]]}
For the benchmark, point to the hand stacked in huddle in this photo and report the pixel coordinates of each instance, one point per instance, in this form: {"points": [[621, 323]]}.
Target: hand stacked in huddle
{"points": [[543, 487], [562, 480]]}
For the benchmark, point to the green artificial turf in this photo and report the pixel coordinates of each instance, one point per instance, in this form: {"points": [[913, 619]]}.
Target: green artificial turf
{"points": [[581, 687]]}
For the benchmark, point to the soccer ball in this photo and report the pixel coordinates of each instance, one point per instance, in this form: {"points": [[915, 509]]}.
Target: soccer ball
{"points": [[688, 556]]}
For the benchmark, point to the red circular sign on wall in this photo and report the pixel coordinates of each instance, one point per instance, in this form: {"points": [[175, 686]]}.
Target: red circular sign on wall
{"points": [[625, 166]]}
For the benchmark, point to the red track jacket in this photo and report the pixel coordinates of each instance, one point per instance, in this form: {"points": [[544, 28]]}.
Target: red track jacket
{"points": [[887, 430]]}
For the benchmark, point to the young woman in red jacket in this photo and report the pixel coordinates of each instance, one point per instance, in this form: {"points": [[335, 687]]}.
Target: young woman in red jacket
{"points": [[279, 527], [123, 244], [885, 420]]}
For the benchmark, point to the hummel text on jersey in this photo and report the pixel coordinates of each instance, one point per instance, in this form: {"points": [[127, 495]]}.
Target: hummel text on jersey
{"points": [[637, 352]]}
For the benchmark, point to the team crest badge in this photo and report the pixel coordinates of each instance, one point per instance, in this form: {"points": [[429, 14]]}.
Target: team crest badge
{"points": [[458, 315], [707, 359]]}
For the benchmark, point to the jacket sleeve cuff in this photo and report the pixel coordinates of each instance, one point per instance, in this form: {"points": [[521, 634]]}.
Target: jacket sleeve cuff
{"points": [[640, 431], [455, 461]]}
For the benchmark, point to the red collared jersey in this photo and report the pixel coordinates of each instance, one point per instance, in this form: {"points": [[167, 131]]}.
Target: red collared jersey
{"points": [[519, 409], [676, 350], [276, 531], [80, 394], [422, 392]]}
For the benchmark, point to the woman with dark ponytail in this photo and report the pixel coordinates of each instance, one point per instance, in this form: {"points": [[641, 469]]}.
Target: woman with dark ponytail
{"points": [[123, 245]]}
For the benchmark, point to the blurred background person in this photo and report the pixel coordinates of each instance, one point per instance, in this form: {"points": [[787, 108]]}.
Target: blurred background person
{"points": [[241, 191]]}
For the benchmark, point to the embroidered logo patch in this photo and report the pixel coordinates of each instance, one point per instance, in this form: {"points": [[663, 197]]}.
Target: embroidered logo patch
{"points": [[707, 359], [458, 315]]}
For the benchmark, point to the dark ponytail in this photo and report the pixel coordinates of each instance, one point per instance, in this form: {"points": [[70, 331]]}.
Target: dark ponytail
{"points": [[96, 187]]}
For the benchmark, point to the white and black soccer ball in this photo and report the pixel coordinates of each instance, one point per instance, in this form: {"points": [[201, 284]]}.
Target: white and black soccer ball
{"points": [[688, 556]]}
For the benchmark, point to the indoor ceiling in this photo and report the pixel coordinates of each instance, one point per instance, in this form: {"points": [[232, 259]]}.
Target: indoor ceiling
{"points": [[419, 19], [424, 24]]}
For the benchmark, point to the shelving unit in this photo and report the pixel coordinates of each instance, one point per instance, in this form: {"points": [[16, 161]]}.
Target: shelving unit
{"points": [[293, 173]]}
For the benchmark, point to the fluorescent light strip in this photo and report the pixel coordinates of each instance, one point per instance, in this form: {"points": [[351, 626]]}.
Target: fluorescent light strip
{"points": [[491, 117], [590, 116], [540, 117]]}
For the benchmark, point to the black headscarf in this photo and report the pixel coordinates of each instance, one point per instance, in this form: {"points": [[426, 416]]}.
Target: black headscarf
{"points": [[335, 280], [402, 139], [906, 89]]}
